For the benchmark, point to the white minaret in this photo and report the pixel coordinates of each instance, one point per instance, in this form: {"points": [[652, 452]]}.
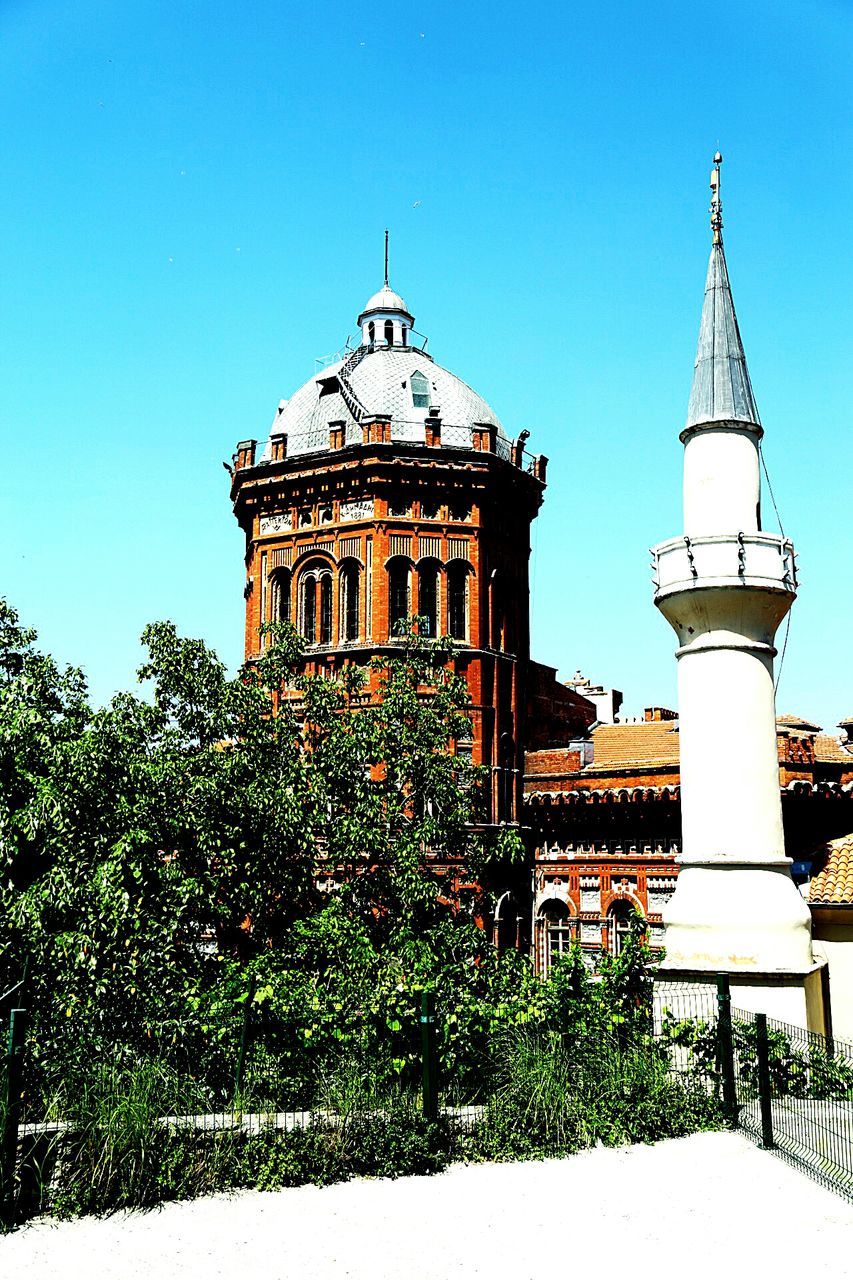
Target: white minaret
{"points": [[724, 587]]}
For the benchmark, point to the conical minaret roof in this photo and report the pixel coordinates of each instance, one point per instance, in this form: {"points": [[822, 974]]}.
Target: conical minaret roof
{"points": [[721, 391]]}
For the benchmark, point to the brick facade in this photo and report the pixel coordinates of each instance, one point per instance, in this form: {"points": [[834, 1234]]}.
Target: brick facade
{"points": [[432, 530]]}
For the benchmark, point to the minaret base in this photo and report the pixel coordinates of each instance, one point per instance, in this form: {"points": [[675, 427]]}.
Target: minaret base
{"points": [[746, 920], [797, 999]]}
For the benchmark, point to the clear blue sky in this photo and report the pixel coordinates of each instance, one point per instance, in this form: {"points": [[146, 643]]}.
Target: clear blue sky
{"points": [[193, 200]]}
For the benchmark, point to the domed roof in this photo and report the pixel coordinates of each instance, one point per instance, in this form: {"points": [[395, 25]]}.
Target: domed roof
{"points": [[386, 300], [380, 381]]}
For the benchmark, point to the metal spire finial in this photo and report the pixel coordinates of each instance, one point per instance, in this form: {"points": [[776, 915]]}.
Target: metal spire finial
{"points": [[386, 258], [716, 202]]}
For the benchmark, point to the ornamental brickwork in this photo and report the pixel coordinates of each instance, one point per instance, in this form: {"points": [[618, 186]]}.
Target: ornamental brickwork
{"points": [[376, 520]]}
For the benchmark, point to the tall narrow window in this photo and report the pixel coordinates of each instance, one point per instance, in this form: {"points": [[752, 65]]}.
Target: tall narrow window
{"points": [[405, 342], [619, 921], [326, 608], [349, 603], [281, 597], [398, 593], [389, 333], [309, 608], [371, 333], [428, 599], [420, 390], [557, 927], [457, 601]]}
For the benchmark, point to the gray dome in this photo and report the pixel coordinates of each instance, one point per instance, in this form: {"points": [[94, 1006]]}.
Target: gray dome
{"points": [[381, 380]]}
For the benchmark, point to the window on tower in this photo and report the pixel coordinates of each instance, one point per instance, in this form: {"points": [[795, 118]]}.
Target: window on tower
{"points": [[428, 599], [308, 609], [389, 333], [420, 390], [315, 603], [349, 602], [326, 609], [457, 601], [398, 593], [371, 333], [281, 596]]}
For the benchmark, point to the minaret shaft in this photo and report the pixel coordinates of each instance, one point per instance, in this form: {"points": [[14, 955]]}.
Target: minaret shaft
{"points": [[725, 586]]}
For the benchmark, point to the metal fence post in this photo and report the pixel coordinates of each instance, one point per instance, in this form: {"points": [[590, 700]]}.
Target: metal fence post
{"points": [[725, 1049], [244, 1036], [428, 1056], [11, 1118], [764, 1085]]}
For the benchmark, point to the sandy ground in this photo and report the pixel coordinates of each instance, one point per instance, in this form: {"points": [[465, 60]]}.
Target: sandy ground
{"points": [[711, 1206]]}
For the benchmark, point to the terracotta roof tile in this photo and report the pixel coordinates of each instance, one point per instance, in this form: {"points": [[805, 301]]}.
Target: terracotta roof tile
{"points": [[834, 882], [649, 742], [828, 748], [791, 721]]}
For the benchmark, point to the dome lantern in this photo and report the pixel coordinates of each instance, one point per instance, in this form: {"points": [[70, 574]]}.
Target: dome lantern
{"points": [[385, 320]]}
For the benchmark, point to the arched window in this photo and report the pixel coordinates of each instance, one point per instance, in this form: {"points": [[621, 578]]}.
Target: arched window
{"points": [[405, 342], [457, 601], [428, 599], [315, 603], [507, 922], [506, 776], [326, 608], [280, 610], [555, 924], [420, 390], [349, 602], [619, 925], [497, 602], [371, 333], [308, 609], [389, 333], [398, 593]]}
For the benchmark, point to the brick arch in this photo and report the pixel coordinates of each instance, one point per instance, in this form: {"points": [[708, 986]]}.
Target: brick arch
{"points": [[608, 899], [312, 553]]}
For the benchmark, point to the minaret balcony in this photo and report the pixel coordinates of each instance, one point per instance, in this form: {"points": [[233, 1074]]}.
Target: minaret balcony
{"points": [[761, 561]]}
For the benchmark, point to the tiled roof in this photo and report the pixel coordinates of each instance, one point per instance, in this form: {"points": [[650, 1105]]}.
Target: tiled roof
{"points": [[790, 721], [651, 742], [827, 748], [834, 883]]}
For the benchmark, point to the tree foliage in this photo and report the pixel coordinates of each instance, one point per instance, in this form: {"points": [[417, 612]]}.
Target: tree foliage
{"points": [[159, 851]]}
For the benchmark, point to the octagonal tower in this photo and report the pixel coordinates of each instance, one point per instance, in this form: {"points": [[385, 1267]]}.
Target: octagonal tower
{"points": [[388, 487]]}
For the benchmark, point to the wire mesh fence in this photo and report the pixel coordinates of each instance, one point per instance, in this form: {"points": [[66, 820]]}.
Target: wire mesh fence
{"points": [[108, 1127], [795, 1095]]}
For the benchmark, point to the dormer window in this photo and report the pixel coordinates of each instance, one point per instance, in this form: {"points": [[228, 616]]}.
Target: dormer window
{"points": [[420, 390]]}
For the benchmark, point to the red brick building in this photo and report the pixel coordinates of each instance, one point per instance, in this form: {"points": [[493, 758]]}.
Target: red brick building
{"points": [[388, 487], [605, 822]]}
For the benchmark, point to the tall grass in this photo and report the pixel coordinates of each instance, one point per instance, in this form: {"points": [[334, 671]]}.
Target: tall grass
{"points": [[551, 1095], [125, 1133]]}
